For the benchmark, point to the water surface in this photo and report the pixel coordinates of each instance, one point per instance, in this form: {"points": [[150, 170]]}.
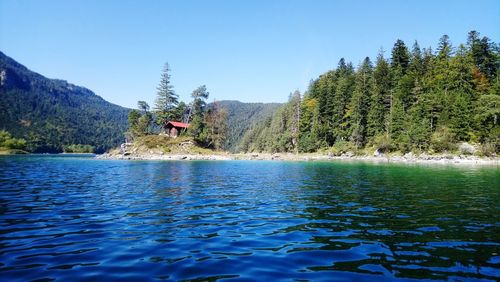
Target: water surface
{"points": [[75, 218]]}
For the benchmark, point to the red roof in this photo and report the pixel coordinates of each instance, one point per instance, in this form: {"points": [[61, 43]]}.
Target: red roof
{"points": [[178, 124]]}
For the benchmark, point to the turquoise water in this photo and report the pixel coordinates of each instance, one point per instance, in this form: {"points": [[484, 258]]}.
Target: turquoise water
{"points": [[74, 218]]}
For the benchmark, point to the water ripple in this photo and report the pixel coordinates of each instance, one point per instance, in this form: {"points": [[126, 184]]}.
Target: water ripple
{"points": [[80, 219]]}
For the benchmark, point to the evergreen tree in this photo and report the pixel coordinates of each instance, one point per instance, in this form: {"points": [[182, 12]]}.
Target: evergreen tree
{"points": [[380, 99], [360, 102], [420, 101], [166, 99], [296, 113], [180, 112], [197, 111], [400, 56], [343, 92], [214, 133], [143, 106], [309, 123], [483, 54], [487, 117]]}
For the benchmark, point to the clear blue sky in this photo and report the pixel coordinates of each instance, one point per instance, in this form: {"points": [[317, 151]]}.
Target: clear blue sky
{"points": [[241, 50]]}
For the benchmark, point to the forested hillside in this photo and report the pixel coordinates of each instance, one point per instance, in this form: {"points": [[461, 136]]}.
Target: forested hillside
{"points": [[241, 116], [416, 100], [51, 114]]}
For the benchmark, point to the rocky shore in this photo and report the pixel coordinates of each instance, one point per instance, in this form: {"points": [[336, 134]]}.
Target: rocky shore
{"points": [[381, 158]]}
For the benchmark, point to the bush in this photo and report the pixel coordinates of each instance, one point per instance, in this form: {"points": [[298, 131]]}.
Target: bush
{"points": [[7, 141], [341, 147], [442, 140], [488, 150], [79, 148], [383, 143]]}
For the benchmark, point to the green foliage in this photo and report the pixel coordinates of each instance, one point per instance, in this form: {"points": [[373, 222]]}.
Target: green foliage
{"points": [[179, 112], [50, 113], [419, 101], [8, 142], [400, 56], [215, 128], [166, 144], [442, 140], [487, 115], [166, 98], [342, 147], [78, 148], [360, 102], [488, 149], [140, 123], [380, 98], [197, 111], [281, 133], [242, 118], [383, 143]]}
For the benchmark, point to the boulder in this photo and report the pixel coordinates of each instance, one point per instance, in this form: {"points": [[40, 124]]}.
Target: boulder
{"points": [[467, 149], [349, 154], [409, 156]]}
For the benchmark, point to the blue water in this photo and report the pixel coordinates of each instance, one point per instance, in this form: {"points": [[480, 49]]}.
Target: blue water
{"points": [[74, 218]]}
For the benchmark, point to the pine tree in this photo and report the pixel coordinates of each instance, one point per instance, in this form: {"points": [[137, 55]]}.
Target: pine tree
{"points": [[343, 92], [197, 111], [309, 123], [214, 133], [380, 99], [483, 54], [400, 56], [296, 112], [360, 102], [143, 106], [421, 100], [166, 99]]}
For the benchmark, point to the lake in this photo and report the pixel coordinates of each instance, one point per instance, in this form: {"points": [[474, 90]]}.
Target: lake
{"points": [[74, 218]]}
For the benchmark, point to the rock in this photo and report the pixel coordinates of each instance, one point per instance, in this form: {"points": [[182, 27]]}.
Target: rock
{"points": [[377, 153], [424, 156], [409, 156], [396, 158], [467, 149], [349, 154]]}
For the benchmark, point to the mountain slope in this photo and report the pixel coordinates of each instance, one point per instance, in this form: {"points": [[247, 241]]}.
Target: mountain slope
{"points": [[241, 117], [51, 113]]}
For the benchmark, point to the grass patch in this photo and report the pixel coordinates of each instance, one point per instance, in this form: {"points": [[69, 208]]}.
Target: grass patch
{"points": [[169, 145], [7, 151]]}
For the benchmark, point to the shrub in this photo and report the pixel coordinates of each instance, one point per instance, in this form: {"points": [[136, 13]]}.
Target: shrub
{"points": [[341, 147], [79, 148], [466, 149], [7, 141], [488, 150], [383, 143], [442, 140]]}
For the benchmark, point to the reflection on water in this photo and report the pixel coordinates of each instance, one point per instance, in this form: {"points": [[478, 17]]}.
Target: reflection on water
{"points": [[68, 218]]}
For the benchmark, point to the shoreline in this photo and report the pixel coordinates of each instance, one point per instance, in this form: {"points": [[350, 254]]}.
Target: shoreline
{"points": [[406, 159]]}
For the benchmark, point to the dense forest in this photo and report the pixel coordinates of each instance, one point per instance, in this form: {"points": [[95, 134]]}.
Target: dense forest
{"points": [[418, 100], [53, 115], [241, 117]]}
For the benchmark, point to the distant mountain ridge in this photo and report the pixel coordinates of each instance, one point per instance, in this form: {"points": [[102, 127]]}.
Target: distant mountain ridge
{"points": [[52, 113]]}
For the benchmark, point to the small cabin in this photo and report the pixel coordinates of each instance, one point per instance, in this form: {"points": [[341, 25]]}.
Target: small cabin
{"points": [[173, 128]]}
